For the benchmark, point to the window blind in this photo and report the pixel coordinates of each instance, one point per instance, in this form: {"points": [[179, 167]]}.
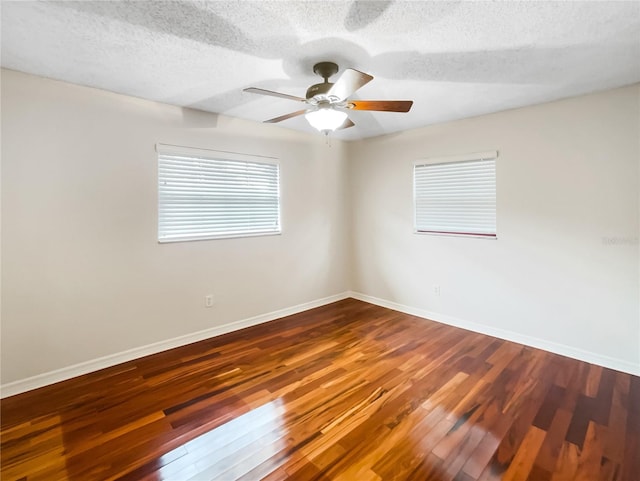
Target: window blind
{"points": [[456, 197], [207, 196]]}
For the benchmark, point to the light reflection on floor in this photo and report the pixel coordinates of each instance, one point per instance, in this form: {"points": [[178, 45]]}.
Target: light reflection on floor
{"points": [[230, 450]]}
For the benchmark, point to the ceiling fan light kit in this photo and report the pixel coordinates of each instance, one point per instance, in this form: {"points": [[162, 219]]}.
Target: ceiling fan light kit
{"points": [[329, 102], [325, 118]]}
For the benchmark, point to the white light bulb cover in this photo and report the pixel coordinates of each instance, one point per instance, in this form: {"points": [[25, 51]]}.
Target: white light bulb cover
{"points": [[326, 118]]}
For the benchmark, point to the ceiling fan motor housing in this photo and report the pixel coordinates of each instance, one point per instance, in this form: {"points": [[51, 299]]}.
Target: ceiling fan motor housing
{"points": [[319, 90]]}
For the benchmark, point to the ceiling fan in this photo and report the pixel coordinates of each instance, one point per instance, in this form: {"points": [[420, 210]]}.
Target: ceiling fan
{"points": [[328, 102]]}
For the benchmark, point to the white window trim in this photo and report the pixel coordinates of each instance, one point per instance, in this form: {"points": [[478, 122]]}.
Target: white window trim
{"points": [[214, 154], [168, 149], [485, 155]]}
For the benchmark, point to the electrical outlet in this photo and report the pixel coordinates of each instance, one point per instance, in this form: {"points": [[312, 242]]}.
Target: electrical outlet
{"points": [[208, 300], [436, 290]]}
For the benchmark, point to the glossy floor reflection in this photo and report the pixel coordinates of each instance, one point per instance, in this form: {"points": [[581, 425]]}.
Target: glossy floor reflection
{"points": [[230, 450]]}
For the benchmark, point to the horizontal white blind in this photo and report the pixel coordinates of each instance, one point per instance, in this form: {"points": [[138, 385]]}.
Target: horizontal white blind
{"points": [[456, 197], [202, 197]]}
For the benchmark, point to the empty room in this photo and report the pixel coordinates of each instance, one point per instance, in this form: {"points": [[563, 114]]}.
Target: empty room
{"points": [[320, 240]]}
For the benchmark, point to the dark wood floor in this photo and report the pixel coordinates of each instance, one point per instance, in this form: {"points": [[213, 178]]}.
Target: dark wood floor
{"points": [[348, 391]]}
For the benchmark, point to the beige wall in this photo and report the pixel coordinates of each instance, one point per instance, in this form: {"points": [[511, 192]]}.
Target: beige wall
{"points": [[563, 273], [83, 275]]}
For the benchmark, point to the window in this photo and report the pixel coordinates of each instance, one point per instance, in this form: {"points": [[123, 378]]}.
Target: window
{"points": [[205, 194], [456, 195]]}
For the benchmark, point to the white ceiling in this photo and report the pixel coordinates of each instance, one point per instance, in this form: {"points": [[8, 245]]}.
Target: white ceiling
{"points": [[454, 59]]}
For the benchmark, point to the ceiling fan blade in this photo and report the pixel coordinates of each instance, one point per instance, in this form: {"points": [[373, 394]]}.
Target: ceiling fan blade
{"points": [[381, 105], [285, 117], [346, 124], [350, 81], [271, 93]]}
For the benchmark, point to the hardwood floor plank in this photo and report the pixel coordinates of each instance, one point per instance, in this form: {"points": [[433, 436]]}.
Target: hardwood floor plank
{"points": [[591, 455], [348, 391], [616, 431], [550, 449], [631, 458], [567, 463], [593, 381], [523, 461]]}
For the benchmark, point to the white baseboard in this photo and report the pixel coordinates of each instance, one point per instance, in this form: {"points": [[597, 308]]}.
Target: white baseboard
{"points": [[75, 370], [554, 347]]}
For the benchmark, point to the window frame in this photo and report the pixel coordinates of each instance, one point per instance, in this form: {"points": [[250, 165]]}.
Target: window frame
{"points": [[220, 155], [452, 159]]}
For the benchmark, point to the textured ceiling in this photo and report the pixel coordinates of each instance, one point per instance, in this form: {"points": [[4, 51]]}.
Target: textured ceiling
{"points": [[454, 59]]}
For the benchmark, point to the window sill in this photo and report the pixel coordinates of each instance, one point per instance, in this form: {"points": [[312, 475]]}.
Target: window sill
{"points": [[457, 234], [215, 237]]}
